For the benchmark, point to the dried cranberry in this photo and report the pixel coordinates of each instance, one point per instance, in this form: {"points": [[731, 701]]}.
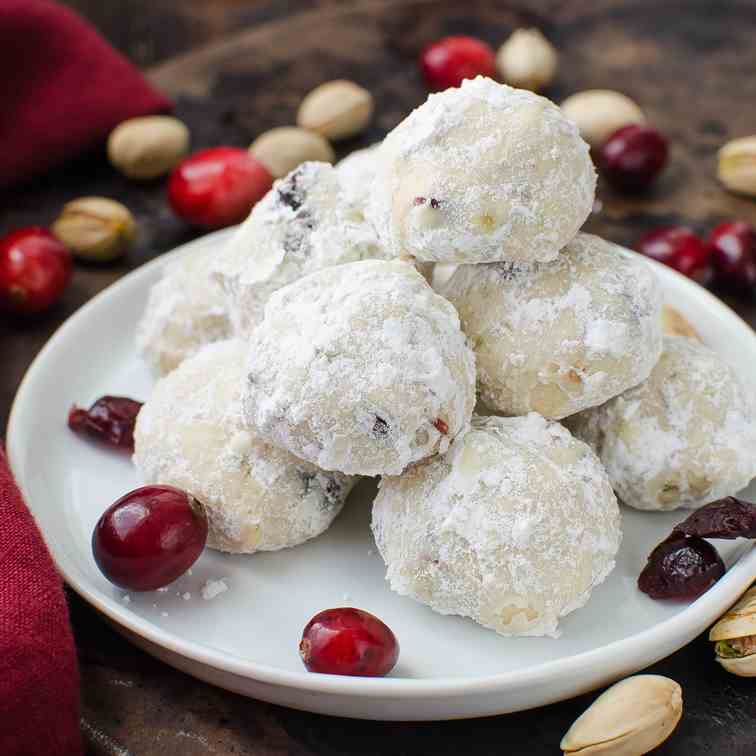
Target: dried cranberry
{"points": [[447, 62], [725, 518], [434, 203], [441, 426], [633, 156], [681, 567], [110, 419], [733, 254], [347, 641], [680, 249], [149, 537], [380, 427]]}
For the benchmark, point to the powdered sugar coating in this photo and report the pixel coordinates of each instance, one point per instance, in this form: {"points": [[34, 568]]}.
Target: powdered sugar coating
{"points": [[357, 176], [685, 437], [558, 337], [303, 224], [513, 527], [185, 311], [258, 498], [360, 368], [482, 173]]}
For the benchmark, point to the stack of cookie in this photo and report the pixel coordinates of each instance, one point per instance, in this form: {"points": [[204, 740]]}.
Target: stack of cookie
{"points": [[311, 349]]}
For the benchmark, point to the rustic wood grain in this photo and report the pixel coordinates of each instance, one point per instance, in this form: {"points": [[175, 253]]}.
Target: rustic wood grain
{"points": [[238, 67]]}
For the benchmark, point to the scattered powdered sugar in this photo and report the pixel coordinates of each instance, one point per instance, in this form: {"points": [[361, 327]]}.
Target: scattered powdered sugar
{"points": [[563, 336], [360, 368], [190, 434], [164, 614], [305, 223], [481, 173], [684, 437], [126, 598], [186, 596], [513, 527], [213, 588]]}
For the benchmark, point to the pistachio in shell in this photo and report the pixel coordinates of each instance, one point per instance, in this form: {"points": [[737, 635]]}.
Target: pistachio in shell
{"points": [[734, 636], [632, 717], [95, 228]]}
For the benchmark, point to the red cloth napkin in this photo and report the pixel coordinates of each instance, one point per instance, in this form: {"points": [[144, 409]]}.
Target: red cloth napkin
{"points": [[64, 88], [39, 678]]}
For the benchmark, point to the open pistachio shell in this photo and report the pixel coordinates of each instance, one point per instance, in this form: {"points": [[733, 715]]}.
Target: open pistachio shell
{"points": [[739, 621], [631, 718], [745, 666]]}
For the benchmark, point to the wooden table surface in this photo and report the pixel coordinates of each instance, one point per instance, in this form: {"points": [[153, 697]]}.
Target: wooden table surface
{"points": [[238, 67]]}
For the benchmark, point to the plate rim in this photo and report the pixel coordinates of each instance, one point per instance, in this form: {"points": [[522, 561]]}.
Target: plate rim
{"points": [[639, 645]]}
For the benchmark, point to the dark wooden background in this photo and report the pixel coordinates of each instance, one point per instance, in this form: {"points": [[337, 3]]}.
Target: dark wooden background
{"points": [[238, 67]]}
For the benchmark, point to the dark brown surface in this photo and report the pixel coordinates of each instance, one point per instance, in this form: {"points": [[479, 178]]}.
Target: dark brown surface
{"points": [[242, 67]]}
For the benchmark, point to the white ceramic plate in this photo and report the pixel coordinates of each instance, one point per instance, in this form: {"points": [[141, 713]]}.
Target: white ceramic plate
{"points": [[245, 639]]}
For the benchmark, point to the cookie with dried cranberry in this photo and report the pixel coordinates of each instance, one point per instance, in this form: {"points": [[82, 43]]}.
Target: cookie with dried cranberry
{"points": [[305, 223], [514, 526], [684, 437], [361, 368], [559, 337], [190, 434], [482, 173]]}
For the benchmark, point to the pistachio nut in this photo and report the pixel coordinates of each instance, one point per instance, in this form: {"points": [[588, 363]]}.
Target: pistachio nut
{"points": [[735, 636], [281, 150], [147, 147], [336, 110], [631, 718], [737, 165], [674, 323], [527, 60], [95, 228], [598, 113]]}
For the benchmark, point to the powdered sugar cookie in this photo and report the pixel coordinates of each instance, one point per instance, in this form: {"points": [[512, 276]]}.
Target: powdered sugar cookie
{"points": [[303, 224], [482, 173], [558, 337], [258, 498], [357, 176], [185, 311], [674, 323], [683, 438], [360, 368], [513, 527]]}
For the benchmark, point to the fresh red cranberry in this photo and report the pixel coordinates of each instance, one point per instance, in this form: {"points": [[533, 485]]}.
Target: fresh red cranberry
{"points": [[733, 254], [110, 419], [35, 269], [217, 187], [681, 567], [679, 248], [149, 537], [448, 61], [348, 642], [633, 156]]}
